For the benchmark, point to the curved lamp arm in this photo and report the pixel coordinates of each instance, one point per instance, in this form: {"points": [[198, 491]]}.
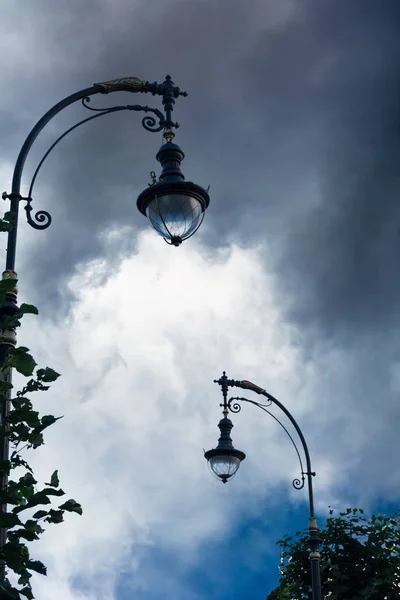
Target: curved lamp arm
{"points": [[248, 385], [128, 84], [233, 405]]}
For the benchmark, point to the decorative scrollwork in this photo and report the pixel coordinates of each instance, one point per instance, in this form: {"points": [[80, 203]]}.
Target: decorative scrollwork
{"points": [[233, 406], [149, 123], [298, 484], [265, 404], [41, 220], [85, 102]]}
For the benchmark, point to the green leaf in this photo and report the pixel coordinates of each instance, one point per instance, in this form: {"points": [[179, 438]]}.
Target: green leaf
{"points": [[36, 565], [10, 322], [24, 534], [32, 525], [40, 514], [36, 499], [22, 361], [5, 466], [51, 492], [5, 386], [10, 216], [7, 591], [17, 461], [12, 495], [7, 285], [47, 375], [21, 403], [71, 506], [48, 420], [15, 555], [27, 591], [24, 579], [5, 227], [27, 479], [36, 440], [8, 520], [26, 309], [31, 417], [54, 481], [55, 516]]}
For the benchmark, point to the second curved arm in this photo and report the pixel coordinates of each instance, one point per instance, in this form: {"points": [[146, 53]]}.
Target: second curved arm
{"points": [[248, 385]]}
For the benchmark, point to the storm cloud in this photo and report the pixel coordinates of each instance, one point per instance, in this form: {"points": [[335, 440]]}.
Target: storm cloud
{"points": [[292, 118]]}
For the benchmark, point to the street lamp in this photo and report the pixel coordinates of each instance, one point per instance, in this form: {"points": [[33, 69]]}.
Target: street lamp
{"points": [[175, 207], [224, 460]]}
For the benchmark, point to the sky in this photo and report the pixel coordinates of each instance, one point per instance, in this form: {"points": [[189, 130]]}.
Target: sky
{"points": [[292, 118]]}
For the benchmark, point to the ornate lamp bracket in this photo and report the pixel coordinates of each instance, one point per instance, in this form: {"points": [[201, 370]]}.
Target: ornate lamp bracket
{"points": [[41, 220], [155, 122]]}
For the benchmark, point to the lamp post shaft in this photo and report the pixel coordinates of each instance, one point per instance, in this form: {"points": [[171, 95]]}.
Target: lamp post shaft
{"points": [[169, 93], [8, 338], [315, 558], [314, 539]]}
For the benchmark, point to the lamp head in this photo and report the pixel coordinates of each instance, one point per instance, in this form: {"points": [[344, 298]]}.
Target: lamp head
{"points": [[174, 206], [224, 460]]}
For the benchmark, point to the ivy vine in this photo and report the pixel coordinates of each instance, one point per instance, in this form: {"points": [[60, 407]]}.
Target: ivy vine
{"points": [[24, 428]]}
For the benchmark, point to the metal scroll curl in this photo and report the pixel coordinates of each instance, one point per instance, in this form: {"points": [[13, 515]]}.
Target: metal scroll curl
{"points": [[85, 102], [233, 406], [298, 484], [41, 219], [149, 123]]}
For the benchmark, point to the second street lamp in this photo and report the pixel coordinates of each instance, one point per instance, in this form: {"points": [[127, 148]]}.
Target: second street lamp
{"points": [[175, 207], [224, 460]]}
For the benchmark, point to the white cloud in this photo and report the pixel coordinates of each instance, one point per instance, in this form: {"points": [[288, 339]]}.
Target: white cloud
{"points": [[138, 352]]}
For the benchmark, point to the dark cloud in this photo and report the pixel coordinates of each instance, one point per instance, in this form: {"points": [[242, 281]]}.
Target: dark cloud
{"points": [[292, 117], [332, 86], [92, 179]]}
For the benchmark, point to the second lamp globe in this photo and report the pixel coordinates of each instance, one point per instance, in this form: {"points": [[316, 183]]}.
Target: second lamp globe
{"points": [[224, 460], [174, 206]]}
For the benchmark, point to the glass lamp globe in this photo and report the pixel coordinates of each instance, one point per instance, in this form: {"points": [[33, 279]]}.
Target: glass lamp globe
{"points": [[225, 465], [224, 460], [175, 207], [175, 216]]}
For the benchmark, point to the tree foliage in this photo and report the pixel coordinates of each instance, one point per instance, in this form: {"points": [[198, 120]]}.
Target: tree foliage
{"points": [[360, 559], [24, 427]]}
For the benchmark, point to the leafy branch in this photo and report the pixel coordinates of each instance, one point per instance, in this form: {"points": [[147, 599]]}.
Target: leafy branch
{"points": [[23, 427], [360, 559]]}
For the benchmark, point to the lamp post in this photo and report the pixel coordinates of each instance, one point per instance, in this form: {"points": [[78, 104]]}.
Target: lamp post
{"points": [[175, 207], [224, 460]]}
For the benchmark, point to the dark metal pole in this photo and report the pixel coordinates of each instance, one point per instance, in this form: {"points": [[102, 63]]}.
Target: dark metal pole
{"points": [[8, 337], [314, 539]]}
